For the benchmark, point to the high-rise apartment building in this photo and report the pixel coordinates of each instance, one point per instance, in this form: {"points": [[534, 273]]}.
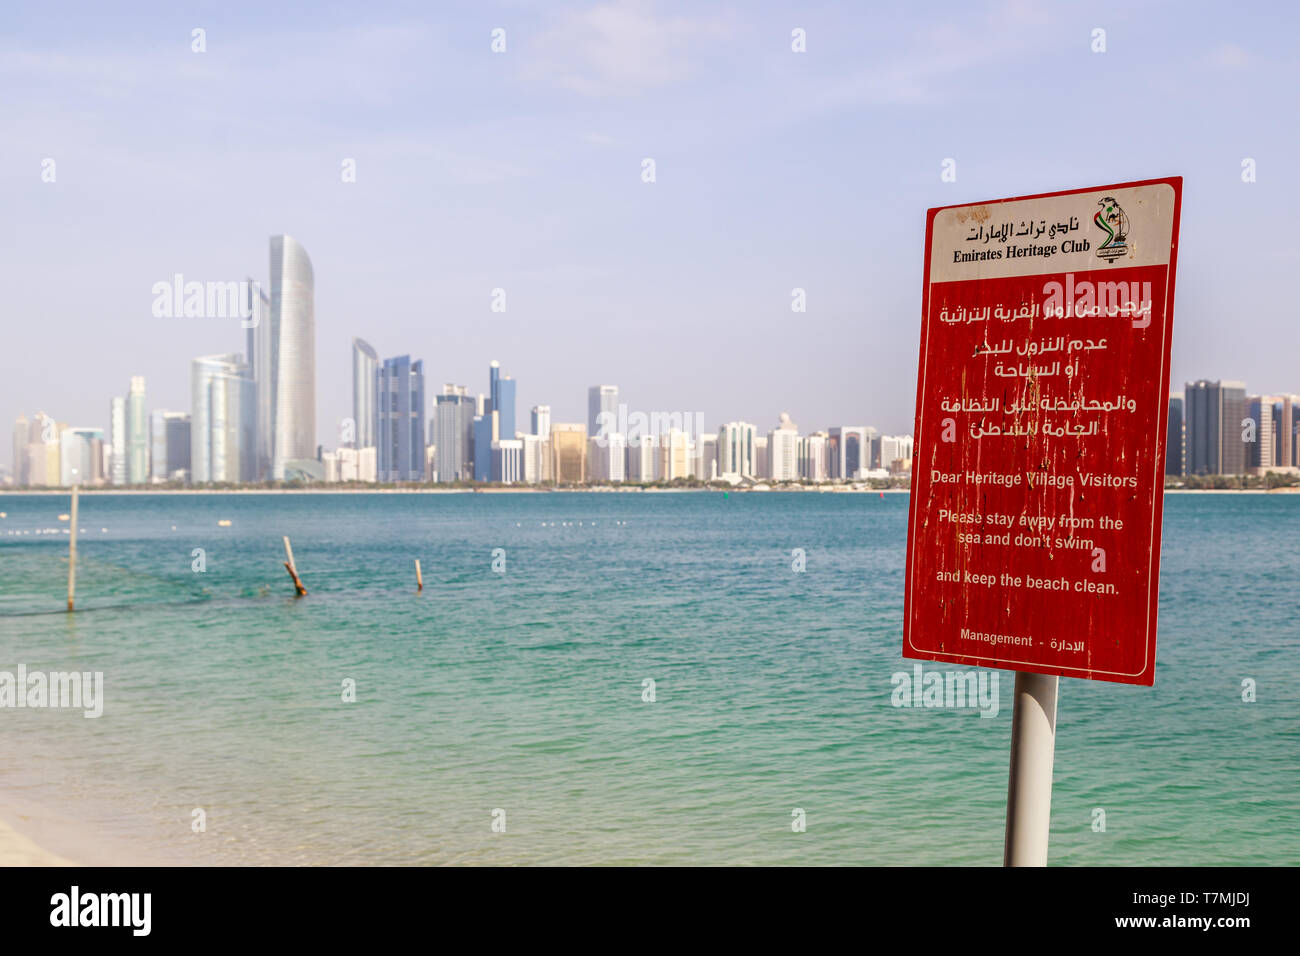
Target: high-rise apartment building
{"points": [[895, 453], [486, 431], [602, 400], [170, 443], [642, 458], [674, 455], [534, 447], [812, 457], [117, 440], [501, 399], [400, 407], [223, 423], [706, 457], [137, 434], [736, 450], [1215, 415], [569, 453], [1174, 438], [849, 451], [453, 434], [22, 429], [783, 451], [761, 461], [508, 460], [1260, 452], [542, 421]]}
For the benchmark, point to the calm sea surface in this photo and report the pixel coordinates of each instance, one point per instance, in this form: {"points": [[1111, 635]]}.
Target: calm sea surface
{"points": [[522, 691]]}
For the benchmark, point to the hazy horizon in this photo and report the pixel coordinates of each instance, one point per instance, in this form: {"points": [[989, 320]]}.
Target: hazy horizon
{"points": [[522, 170]]}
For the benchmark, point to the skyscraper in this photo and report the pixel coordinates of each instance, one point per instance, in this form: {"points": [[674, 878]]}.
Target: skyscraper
{"points": [[1236, 451], [850, 451], [170, 445], [501, 398], [293, 356], [761, 460], [812, 457], [117, 440], [223, 429], [569, 453], [602, 399], [176, 426], [400, 432], [533, 449], [261, 365], [674, 454], [1203, 409], [783, 451], [736, 450], [157, 446], [365, 382], [485, 433], [1215, 411], [542, 421], [642, 458], [137, 434], [1260, 453], [452, 430], [894, 449], [508, 460], [22, 429], [706, 457], [1286, 431], [1174, 462]]}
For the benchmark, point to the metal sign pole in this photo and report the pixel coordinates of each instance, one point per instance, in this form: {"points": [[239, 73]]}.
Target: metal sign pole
{"points": [[1029, 790]]}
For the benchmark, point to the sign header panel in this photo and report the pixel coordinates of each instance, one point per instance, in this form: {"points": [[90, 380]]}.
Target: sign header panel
{"points": [[1041, 411]]}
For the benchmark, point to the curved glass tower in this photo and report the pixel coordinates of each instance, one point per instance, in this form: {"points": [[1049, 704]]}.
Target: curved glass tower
{"points": [[293, 358], [365, 382]]}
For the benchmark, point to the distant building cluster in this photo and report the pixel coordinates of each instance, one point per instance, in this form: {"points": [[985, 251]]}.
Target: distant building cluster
{"points": [[1215, 428], [252, 419], [476, 438]]}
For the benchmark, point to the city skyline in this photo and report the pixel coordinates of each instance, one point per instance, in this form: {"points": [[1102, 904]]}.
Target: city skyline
{"points": [[223, 431], [775, 171]]}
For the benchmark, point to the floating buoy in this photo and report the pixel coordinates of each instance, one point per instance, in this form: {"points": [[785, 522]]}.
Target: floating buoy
{"points": [[63, 517], [223, 523]]}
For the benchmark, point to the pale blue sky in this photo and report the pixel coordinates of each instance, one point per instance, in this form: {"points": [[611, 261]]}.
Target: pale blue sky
{"points": [[522, 170]]}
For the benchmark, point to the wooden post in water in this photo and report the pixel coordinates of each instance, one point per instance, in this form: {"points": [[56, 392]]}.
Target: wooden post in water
{"points": [[419, 578], [72, 552], [292, 568]]}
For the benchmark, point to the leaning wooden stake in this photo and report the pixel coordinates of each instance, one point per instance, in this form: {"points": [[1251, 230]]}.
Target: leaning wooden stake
{"points": [[72, 552], [292, 568], [419, 578]]}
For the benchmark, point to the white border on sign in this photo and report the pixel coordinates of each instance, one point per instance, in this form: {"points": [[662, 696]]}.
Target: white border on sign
{"points": [[925, 361]]}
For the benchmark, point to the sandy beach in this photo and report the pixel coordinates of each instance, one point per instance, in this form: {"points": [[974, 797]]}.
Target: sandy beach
{"points": [[18, 850]]}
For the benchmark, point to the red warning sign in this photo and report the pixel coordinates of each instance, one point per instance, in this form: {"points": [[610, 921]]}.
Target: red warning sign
{"points": [[1041, 411]]}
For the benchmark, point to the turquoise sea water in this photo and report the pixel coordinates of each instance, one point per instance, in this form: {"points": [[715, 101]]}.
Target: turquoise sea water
{"points": [[522, 690]]}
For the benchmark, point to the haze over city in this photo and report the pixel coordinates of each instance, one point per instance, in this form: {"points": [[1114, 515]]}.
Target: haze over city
{"points": [[523, 170]]}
